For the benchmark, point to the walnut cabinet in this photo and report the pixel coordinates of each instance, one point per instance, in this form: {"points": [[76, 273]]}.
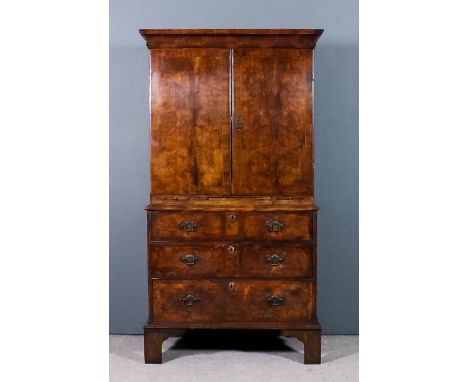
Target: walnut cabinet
{"points": [[232, 225]]}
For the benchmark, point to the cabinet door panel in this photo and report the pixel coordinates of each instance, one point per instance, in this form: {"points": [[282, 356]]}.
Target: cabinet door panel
{"points": [[273, 144], [190, 122]]}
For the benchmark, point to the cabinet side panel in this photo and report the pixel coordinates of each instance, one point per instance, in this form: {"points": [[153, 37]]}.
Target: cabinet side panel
{"points": [[190, 122], [273, 142]]}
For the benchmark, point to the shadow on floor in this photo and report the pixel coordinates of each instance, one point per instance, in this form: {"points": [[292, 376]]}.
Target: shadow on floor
{"points": [[208, 341], [200, 341], [243, 340]]}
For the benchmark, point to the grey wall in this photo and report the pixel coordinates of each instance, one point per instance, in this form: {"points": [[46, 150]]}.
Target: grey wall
{"points": [[336, 144]]}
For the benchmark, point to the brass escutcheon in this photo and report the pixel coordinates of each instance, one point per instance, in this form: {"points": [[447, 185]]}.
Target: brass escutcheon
{"points": [[231, 249], [231, 285], [233, 217]]}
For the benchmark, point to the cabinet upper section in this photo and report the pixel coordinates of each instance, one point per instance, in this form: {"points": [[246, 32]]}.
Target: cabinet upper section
{"points": [[232, 118], [231, 38]]}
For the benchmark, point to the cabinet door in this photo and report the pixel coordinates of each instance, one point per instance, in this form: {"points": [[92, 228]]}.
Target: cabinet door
{"points": [[190, 122], [272, 127]]}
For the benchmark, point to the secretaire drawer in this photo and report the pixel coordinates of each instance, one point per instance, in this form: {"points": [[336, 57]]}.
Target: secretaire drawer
{"points": [[230, 225]]}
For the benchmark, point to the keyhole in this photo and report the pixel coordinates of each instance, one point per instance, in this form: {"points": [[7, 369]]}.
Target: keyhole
{"points": [[232, 285]]}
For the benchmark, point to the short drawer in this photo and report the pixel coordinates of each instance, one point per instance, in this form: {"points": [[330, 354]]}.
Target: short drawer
{"points": [[186, 225], [277, 261], [275, 226], [186, 301], [194, 260], [270, 300], [230, 225]]}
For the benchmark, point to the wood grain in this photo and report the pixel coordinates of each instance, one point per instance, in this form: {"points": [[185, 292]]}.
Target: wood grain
{"points": [[214, 259], [168, 306], [273, 148], [165, 225], [234, 203], [230, 259], [232, 162], [297, 260], [246, 300], [231, 38], [190, 147]]}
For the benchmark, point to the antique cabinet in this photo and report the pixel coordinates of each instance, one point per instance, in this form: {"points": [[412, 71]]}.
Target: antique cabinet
{"points": [[232, 223]]}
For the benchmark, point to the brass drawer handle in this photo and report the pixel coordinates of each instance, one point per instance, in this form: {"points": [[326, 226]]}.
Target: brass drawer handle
{"points": [[188, 226], [189, 259], [275, 260], [275, 300], [238, 122], [190, 300], [274, 225]]}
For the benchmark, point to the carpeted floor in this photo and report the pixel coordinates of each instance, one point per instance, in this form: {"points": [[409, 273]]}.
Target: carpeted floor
{"points": [[234, 356]]}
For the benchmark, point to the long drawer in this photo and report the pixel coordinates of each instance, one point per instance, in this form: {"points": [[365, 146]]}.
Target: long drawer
{"points": [[232, 300], [228, 225], [230, 259]]}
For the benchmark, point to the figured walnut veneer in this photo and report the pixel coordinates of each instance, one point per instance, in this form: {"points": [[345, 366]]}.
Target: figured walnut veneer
{"points": [[232, 222]]}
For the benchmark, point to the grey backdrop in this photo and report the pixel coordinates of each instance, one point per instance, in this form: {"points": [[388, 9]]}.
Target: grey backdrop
{"points": [[336, 142]]}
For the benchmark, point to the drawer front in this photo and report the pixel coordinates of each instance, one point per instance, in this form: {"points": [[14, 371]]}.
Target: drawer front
{"points": [[278, 261], [186, 301], [230, 225], [275, 226], [209, 260], [234, 300], [186, 226], [270, 300]]}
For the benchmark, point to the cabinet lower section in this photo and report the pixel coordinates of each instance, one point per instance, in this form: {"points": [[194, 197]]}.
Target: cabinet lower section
{"points": [[232, 270]]}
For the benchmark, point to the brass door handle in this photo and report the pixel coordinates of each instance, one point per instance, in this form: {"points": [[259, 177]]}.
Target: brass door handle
{"points": [[275, 300], [189, 259], [274, 225], [238, 122], [275, 259], [189, 226], [190, 300]]}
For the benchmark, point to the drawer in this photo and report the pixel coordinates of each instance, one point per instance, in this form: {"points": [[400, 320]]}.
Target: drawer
{"points": [[270, 300], [234, 300], [230, 225], [208, 260], [186, 225], [275, 226], [186, 301], [276, 261]]}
